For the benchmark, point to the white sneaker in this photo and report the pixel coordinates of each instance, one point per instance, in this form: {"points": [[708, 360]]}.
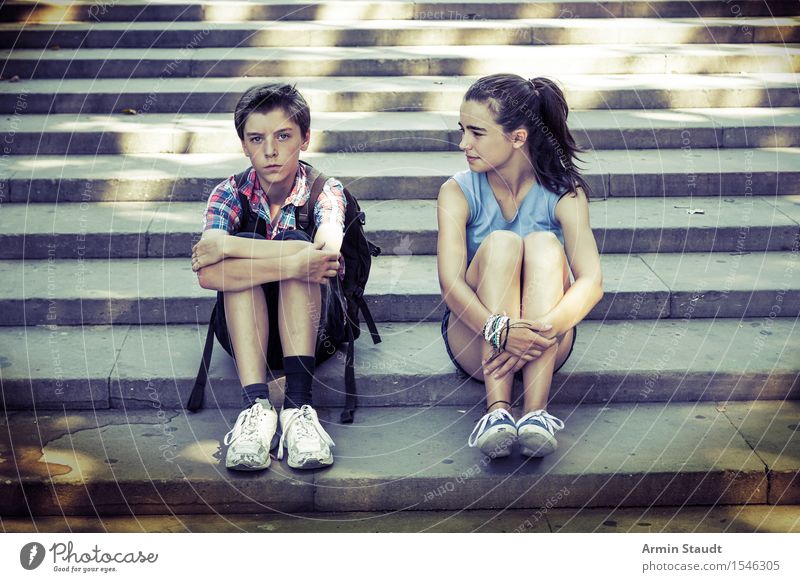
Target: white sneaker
{"points": [[536, 433], [250, 438], [494, 434], [308, 444]]}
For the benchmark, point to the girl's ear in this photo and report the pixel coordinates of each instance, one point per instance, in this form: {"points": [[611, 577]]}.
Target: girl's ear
{"points": [[519, 137]]}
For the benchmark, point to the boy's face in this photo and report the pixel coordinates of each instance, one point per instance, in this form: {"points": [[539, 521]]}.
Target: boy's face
{"points": [[273, 142]]}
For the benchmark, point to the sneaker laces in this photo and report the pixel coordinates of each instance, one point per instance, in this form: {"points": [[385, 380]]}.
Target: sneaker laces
{"points": [[307, 429], [247, 426], [550, 422], [494, 415]]}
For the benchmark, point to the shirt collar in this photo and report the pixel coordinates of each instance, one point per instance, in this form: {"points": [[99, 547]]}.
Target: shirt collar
{"points": [[298, 195]]}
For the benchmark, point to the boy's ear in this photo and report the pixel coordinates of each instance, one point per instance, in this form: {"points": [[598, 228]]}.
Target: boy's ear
{"points": [[519, 137], [306, 141]]}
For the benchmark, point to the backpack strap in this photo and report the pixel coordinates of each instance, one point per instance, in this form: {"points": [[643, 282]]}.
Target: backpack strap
{"points": [[197, 394], [244, 219], [350, 401], [370, 321], [305, 219]]}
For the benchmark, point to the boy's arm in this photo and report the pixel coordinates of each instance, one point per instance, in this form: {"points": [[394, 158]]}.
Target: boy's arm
{"points": [[329, 215], [236, 274], [212, 248]]}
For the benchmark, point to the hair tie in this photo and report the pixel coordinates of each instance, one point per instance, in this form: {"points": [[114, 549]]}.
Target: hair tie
{"points": [[533, 86]]}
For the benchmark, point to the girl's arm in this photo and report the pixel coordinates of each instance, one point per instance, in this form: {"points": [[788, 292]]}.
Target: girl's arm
{"points": [[572, 212], [452, 213]]}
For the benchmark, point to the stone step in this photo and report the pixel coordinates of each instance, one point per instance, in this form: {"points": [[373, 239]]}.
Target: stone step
{"points": [[82, 134], [345, 33], [412, 60], [642, 455], [136, 366], [409, 93], [399, 227], [695, 519], [401, 288], [215, 11], [690, 171]]}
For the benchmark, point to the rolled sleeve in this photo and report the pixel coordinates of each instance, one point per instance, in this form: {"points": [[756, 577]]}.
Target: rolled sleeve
{"points": [[331, 204], [223, 208]]}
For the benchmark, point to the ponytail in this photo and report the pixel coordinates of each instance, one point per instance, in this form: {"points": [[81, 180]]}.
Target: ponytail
{"points": [[550, 143]]}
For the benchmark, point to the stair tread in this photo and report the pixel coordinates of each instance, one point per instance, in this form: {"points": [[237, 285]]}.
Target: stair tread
{"points": [[405, 458], [403, 274], [413, 216], [399, 227], [135, 366], [508, 52], [436, 83], [364, 164], [358, 24], [401, 288], [219, 123]]}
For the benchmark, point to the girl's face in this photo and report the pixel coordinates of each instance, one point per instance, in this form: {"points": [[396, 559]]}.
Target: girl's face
{"points": [[483, 141]]}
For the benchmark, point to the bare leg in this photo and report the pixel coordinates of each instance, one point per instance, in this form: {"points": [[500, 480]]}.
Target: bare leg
{"points": [[248, 328], [494, 275], [299, 310], [545, 279]]}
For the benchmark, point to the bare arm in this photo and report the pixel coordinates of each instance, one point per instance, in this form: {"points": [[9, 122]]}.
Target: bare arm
{"points": [[572, 213], [452, 213], [237, 274]]}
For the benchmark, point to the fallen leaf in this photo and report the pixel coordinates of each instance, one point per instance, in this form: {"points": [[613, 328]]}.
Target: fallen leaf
{"points": [[695, 211], [130, 111]]}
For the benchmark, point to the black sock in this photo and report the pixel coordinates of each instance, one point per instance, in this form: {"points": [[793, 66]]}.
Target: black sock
{"points": [[251, 392], [299, 375]]}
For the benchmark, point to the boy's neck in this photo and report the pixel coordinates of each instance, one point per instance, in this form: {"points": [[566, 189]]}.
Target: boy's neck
{"points": [[276, 192]]}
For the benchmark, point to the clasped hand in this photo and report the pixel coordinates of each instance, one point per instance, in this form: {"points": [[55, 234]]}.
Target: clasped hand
{"points": [[526, 342], [312, 264]]}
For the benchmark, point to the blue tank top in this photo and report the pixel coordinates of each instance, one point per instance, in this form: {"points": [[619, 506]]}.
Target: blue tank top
{"points": [[537, 212]]}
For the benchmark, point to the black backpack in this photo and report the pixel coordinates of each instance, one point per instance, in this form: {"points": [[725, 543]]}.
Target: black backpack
{"points": [[357, 252]]}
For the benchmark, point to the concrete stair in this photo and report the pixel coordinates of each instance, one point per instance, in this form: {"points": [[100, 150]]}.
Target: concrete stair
{"points": [[684, 382], [406, 458]]}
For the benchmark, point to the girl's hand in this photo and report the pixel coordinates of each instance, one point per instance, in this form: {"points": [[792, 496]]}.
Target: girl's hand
{"points": [[503, 363], [528, 337], [527, 340], [208, 251]]}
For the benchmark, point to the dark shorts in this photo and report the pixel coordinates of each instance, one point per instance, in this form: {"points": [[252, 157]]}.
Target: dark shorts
{"points": [[446, 320], [331, 314]]}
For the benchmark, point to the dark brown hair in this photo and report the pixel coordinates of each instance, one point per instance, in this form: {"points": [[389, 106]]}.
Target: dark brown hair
{"points": [[539, 106], [270, 96]]}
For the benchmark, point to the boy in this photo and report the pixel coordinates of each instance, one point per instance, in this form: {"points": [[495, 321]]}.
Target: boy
{"points": [[274, 299]]}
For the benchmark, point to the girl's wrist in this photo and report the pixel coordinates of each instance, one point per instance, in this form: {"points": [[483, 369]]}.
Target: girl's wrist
{"points": [[493, 329]]}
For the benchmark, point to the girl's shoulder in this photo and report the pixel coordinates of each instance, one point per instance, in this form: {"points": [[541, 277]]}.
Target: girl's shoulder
{"points": [[469, 182]]}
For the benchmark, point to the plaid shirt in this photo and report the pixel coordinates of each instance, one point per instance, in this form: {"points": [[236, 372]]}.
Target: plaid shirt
{"points": [[224, 209]]}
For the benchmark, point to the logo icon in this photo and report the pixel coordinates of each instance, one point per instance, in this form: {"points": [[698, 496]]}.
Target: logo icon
{"points": [[31, 555]]}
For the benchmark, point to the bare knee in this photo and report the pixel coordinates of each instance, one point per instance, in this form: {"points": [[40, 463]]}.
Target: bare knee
{"points": [[501, 248], [543, 251]]}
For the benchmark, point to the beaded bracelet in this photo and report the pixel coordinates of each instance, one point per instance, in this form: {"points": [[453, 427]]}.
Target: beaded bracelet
{"points": [[493, 328]]}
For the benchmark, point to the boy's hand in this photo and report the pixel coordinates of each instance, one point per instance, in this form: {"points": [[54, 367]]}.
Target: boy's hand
{"points": [[316, 265], [208, 251]]}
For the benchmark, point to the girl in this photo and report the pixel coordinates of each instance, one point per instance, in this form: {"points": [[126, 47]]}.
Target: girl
{"points": [[510, 229]]}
